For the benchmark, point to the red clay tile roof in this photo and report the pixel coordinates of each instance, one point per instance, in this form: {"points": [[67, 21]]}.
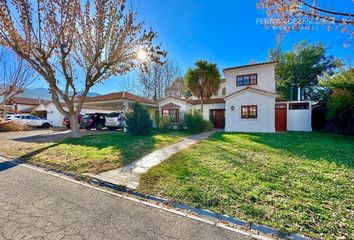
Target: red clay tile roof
{"points": [[250, 65], [170, 106], [207, 101], [119, 95], [25, 101], [250, 88], [195, 102]]}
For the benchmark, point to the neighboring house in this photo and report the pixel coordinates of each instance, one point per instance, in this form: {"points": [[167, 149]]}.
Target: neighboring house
{"points": [[43, 108]]}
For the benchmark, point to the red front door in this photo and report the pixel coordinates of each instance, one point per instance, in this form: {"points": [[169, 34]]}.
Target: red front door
{"points": [[219, 118], [280, 117]]}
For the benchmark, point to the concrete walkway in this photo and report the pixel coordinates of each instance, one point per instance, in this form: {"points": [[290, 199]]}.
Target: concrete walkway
{"points": [[129, 175]]}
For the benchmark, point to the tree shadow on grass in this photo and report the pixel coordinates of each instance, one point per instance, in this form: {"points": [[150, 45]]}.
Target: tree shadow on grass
{"points": [[316, 146], [97, 153]]}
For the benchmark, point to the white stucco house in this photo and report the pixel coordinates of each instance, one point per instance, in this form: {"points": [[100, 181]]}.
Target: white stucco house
{"points": [[245, 102]]}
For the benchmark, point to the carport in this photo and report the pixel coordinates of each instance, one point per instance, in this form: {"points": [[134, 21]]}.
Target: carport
{"points": [[119, 101]]}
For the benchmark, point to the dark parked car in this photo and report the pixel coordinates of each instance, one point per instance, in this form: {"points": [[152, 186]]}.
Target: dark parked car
{"points": [[93, 120], [66, 121]]}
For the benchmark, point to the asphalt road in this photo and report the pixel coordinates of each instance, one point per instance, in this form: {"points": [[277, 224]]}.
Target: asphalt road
{"points": [[35, 205]]}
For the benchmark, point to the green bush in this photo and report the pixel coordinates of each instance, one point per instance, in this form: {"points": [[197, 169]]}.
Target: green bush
{"points": [[139, 121], [196, 124], [166, 124], [157, 119], [181, 124], [208, 125]]}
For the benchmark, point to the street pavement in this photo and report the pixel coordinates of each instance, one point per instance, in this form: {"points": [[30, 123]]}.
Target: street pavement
{"points": [[35, 205]]}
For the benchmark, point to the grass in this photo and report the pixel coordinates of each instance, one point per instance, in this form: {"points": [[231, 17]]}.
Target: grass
{"points": [[295, 182], [98, 153]]}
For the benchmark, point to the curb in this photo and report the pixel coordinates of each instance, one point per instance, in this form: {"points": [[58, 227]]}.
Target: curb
{"points": [[269, 231], [252, 230]]}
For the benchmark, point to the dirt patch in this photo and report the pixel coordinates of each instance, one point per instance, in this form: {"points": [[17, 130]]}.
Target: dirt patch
{"points": [[13, 127]]}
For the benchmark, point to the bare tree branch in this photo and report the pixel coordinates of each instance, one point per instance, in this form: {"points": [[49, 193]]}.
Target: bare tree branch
{"points": [[292, 14], [16, 75], [62, 38], [158, 78]]}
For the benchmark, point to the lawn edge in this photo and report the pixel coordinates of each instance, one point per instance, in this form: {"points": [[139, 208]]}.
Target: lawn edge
{"points": [[252, 230]]}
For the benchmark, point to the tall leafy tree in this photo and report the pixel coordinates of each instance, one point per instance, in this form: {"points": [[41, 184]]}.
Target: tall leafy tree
{"points": [[301, 68], [75, 45], [203, 80], [340, 103]]}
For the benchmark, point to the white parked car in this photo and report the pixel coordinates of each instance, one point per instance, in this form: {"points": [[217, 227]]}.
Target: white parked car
{"points": [[115, 120], [29, 120]]}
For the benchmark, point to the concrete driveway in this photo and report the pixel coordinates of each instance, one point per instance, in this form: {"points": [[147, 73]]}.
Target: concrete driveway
{"points": [[35, 205]]}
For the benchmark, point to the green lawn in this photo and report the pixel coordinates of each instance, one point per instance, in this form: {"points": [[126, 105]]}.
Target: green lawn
{"points": [[296, 182], [98, 153]]}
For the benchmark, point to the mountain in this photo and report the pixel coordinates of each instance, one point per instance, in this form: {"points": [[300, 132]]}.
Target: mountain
{"points": [[44, 94]]}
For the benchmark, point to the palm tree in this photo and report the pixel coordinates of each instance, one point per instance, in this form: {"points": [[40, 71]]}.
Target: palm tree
{"points": [[203, 81]]}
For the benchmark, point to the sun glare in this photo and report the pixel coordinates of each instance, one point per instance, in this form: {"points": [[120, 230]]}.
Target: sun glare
{"points": [[142, 56]]}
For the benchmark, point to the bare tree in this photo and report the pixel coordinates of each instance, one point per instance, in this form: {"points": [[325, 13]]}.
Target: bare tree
{"points": [[74, 45], [15, 76], [294, 14], [158, 78], [177, 88], [130, 84]]}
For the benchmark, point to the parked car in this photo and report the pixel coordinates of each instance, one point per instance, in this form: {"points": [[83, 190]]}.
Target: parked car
{"points": [[115, 120], [93, 120], [66, 121], [29, 120]]}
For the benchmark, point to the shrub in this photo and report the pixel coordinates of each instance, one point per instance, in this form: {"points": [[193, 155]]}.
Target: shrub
{"points": [[181, 124], [166, 124], [196, 124], [208, 125], [157, 119], [138, 120], [341, 112]]}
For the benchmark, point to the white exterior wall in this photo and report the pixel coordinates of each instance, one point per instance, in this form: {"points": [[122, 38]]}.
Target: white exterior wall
{"points": [[265, 121], [21, 107], [208, 107], [265, 78], [299, 120]]}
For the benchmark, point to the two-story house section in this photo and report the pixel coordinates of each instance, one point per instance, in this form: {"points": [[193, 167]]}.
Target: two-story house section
{"points": [[250, 98]]}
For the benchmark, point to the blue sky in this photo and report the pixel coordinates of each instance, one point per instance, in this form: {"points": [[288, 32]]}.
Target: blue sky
{"points": [[225, 32]]}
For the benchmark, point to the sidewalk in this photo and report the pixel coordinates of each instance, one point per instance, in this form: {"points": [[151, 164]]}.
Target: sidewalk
{"points": [[129, 175]]}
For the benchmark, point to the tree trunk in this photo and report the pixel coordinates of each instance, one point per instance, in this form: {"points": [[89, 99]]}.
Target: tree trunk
{"points": [[74, 126], [201, 107]]}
